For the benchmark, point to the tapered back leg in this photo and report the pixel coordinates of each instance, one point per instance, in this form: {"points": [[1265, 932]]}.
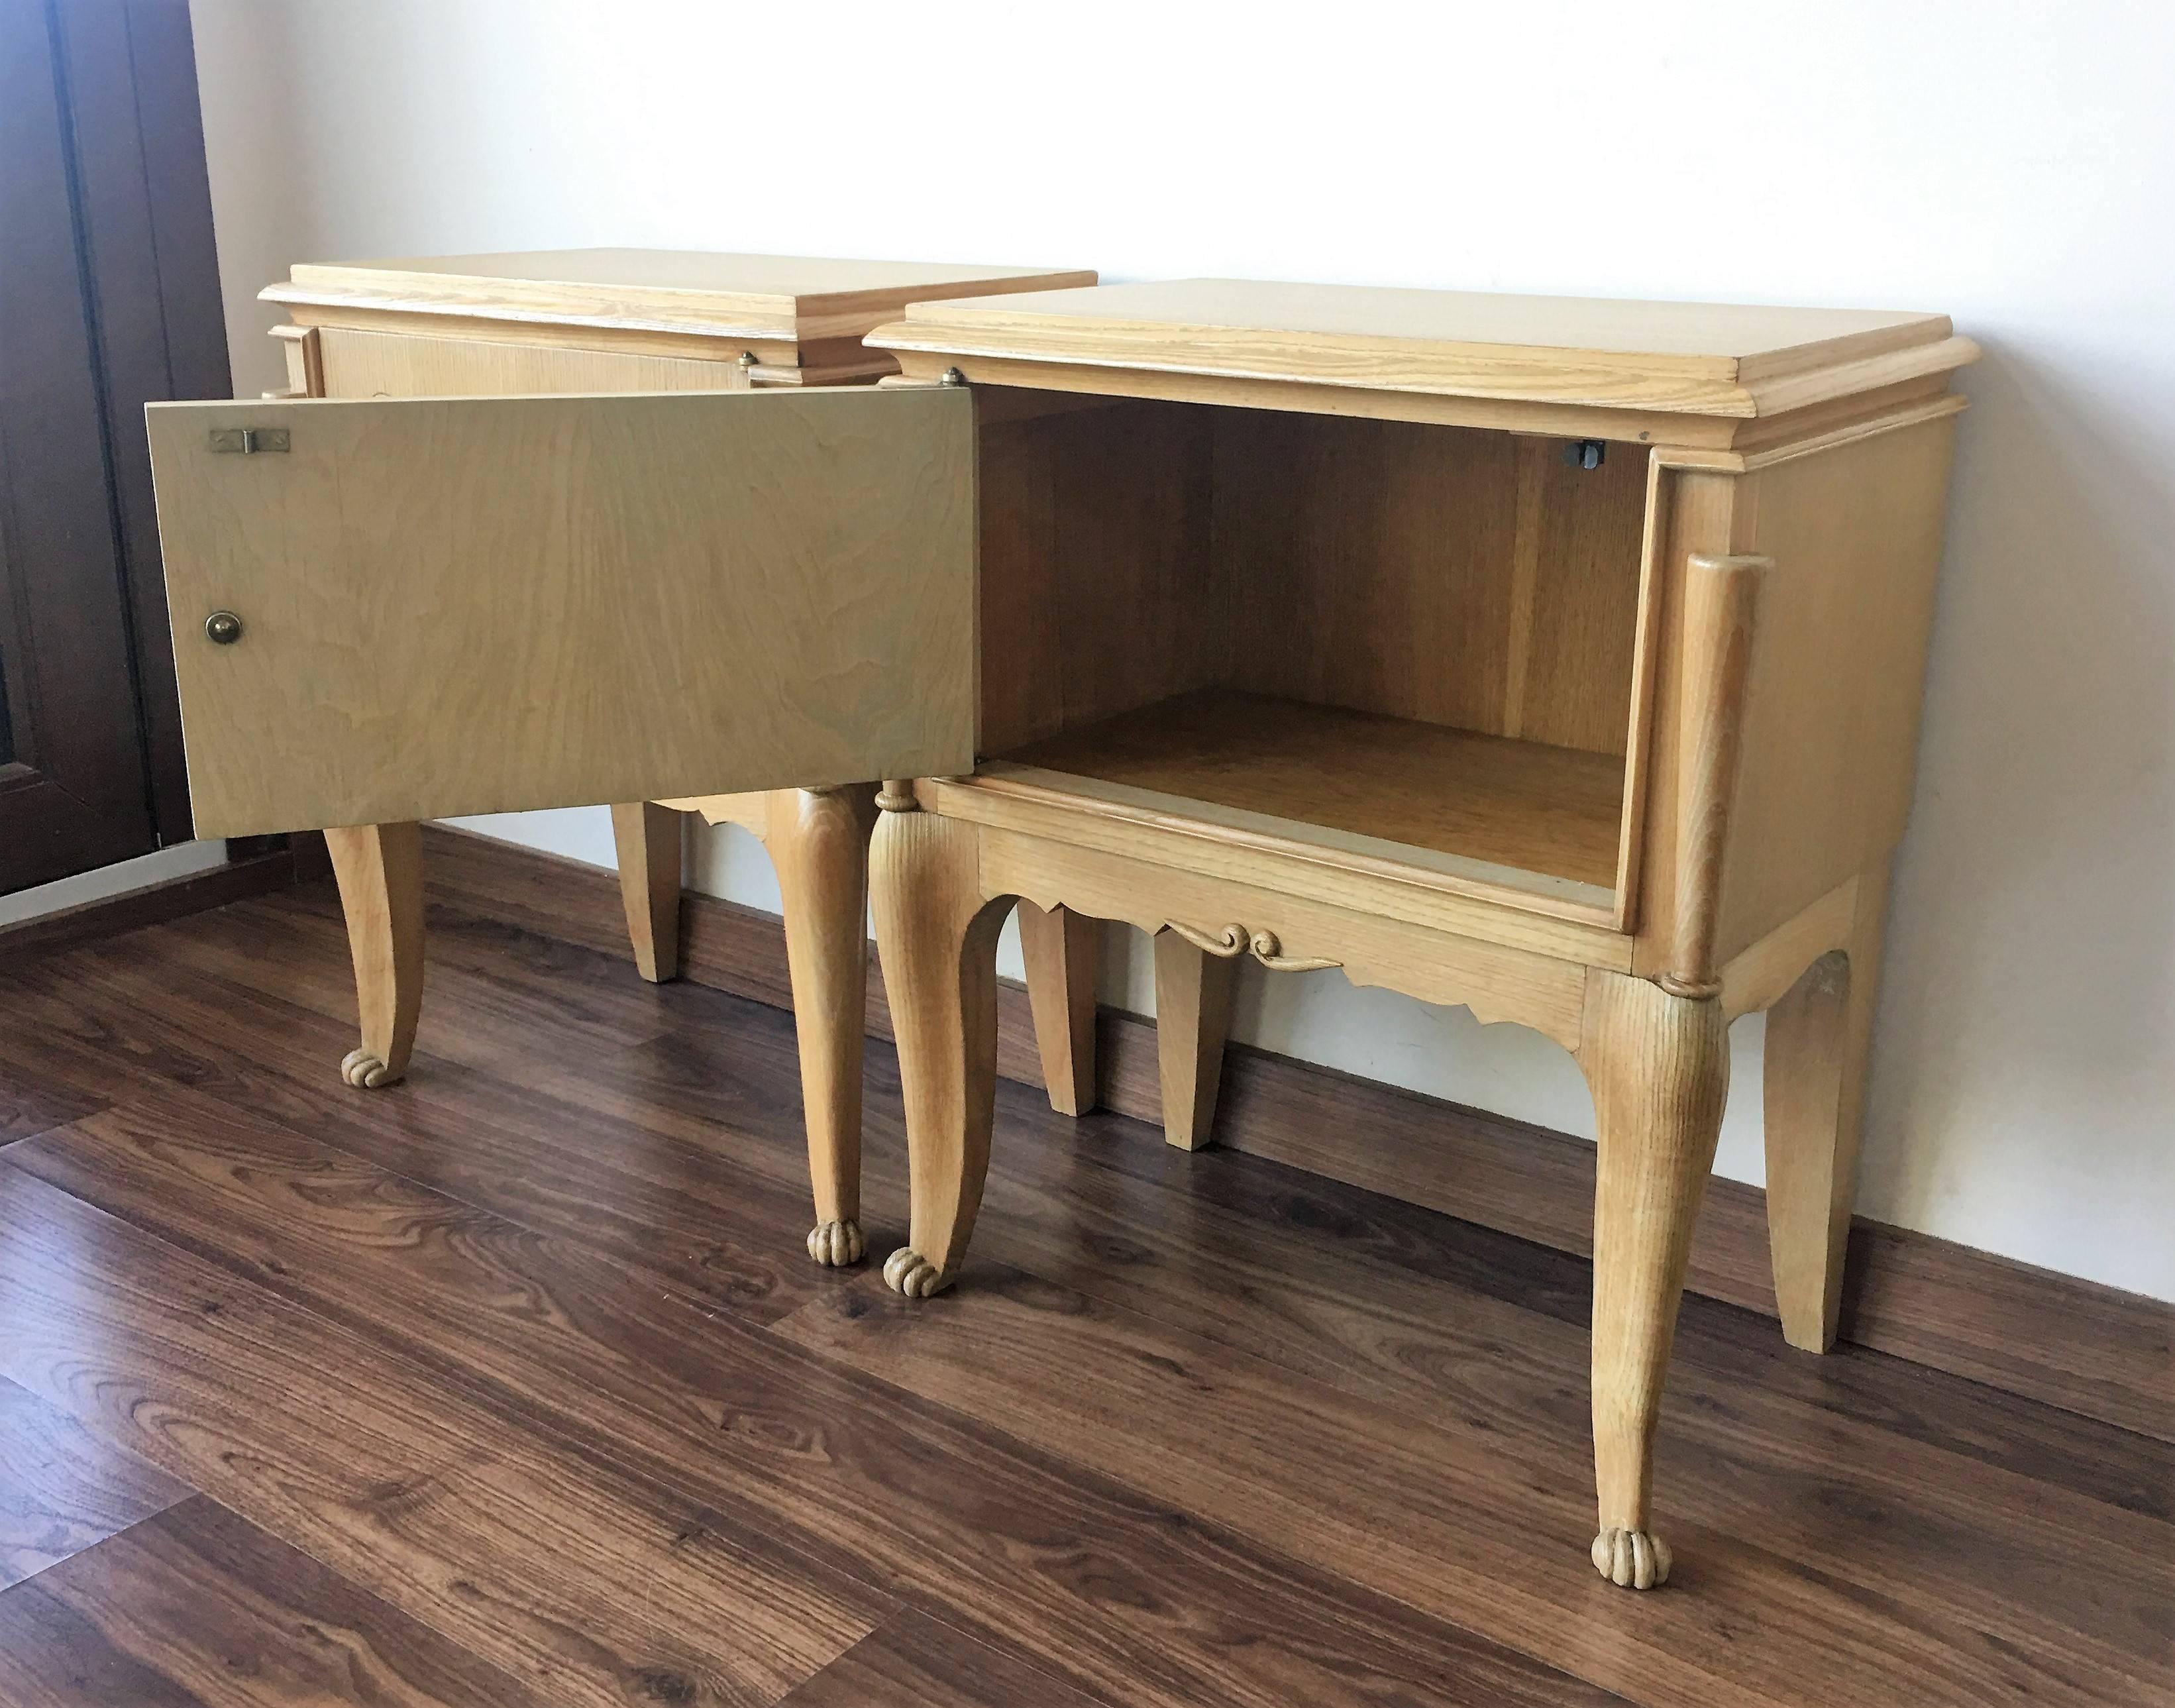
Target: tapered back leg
{"points": [[1058, 948], [646, 838], [1818, 1038]]}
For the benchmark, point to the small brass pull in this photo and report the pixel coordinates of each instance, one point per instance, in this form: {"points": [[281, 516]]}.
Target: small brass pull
{"points": [[222, 628]]}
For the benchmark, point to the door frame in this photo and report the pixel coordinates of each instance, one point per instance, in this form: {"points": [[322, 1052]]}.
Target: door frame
{"points": [[112, 285]]}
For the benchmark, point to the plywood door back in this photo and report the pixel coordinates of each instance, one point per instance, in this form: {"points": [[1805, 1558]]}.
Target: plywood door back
{"points": [[456, 606]]}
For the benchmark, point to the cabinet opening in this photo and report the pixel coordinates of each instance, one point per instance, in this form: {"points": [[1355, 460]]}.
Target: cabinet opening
{"points": [[1396, 641]]}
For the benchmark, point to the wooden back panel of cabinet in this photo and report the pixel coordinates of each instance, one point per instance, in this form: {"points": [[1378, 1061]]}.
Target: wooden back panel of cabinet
{"points": [[1097, 595], [1466, 579], [1470, 579]]}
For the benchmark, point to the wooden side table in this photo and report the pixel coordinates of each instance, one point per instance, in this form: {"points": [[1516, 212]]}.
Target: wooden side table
{"points": [[1558, 658], [625, 321]]}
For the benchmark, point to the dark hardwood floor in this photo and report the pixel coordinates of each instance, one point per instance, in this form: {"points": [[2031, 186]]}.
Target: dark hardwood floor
{"points": [[512, 1386]]}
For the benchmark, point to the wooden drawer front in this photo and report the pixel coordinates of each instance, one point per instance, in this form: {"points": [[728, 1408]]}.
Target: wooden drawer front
{"points": [[392, 364], [453, 606]]}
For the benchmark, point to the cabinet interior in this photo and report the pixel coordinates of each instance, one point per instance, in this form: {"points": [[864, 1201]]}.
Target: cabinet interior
{"points": [[1399, 639]]}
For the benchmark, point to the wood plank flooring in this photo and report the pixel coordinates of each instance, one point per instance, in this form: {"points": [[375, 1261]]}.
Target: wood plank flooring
{"points": [[2070, 1343], [512, 1386]]}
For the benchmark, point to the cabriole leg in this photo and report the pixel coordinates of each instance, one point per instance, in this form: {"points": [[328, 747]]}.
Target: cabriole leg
{"points": [[819, 842], [646, 837], [1818, 1040], [1058, 948], [1193, 992], [379, 868], [938, 937], [1658, 1066]]}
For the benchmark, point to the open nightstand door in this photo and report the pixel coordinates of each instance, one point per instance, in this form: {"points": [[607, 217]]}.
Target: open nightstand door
{"points": [[389, 611]]}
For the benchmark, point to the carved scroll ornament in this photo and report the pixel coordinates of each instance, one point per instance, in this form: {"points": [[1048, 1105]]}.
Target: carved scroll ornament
{"points": [[1262, 945]]}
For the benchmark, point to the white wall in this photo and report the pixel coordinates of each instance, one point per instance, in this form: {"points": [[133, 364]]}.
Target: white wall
{"points": [[2011, 163]]}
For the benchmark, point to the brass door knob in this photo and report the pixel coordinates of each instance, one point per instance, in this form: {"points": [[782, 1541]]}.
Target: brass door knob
{"points": [[222, 628]]}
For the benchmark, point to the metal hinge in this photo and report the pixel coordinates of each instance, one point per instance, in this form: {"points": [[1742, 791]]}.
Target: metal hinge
{"points": [[249, 441]]}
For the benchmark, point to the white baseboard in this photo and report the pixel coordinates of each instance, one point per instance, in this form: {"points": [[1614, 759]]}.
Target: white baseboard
{"points": [[183, 860]]}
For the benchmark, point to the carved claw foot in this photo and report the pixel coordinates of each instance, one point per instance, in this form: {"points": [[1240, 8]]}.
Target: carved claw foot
{"points": [[835, 1244], [906, 1271], [360, 1068], [1631, 1559]]}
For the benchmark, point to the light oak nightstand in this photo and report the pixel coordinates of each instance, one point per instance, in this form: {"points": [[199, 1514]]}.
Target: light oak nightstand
{"points": [[635, 320], [1559, 659]]}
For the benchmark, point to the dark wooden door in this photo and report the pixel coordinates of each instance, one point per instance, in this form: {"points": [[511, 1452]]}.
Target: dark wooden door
{"points": [[109, 298]]}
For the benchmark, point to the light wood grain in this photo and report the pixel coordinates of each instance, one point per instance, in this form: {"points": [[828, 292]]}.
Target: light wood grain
{"points": [[447, 329], [1058, 951], [1193, 992], [646, 836], [1658, 1066], [1571, 686], [466, 606], [1721, 607], [1472, 582], [303, 349], [1691, 514], [1659, 763], [794, 298], [403, 364], [1700, 358], [819, 844], [1452, 576], [1838, 673], [1497, 982], [1231, 847], [1096, 595], [823, 363], [1714, 434], [1367, 563], [1520, 805], [1813, 1092], [380, 870], [1657, 590], [939, 932], [1355, 564]]}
